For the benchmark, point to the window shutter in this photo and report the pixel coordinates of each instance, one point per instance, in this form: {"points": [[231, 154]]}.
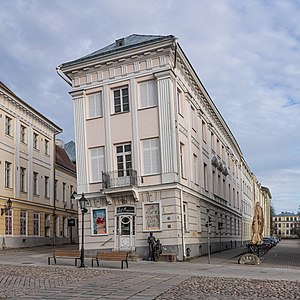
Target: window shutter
{"points": [[144, 94], [152, 93], [95, 105], [97, 163]]}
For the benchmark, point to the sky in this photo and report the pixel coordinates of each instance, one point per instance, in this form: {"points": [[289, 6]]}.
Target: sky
{"points": [[246, 54]]}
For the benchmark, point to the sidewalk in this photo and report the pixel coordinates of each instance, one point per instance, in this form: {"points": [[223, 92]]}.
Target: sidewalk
{"points": [[24, 274]]}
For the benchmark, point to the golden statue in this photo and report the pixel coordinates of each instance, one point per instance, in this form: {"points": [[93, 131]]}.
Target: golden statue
{"points": [[257, 225]]}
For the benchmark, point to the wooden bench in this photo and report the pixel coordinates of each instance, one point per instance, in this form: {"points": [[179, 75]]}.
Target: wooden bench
{"points": [[115, 256], [74, 254]]}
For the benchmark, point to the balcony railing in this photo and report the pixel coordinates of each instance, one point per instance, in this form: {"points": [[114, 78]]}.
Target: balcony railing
{"points": [[120, 178]]}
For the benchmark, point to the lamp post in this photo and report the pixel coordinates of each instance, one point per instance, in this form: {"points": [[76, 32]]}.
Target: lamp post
{"points": [[7, 207], [82, 204]]}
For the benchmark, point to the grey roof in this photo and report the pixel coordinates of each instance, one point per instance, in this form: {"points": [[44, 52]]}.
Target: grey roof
{"points": [[286, 214], [131, 41], [70, 149]]}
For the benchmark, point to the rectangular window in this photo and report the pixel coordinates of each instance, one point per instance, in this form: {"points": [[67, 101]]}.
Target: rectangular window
{"points": [[8, 126], [35, 140], [47, 147], [97, 161], [185, 213], [205, 170], [8, 172], [195, 168], [8, 222], [36, 224], [23, 216], [151, 156], [124, 160], [95, 105], [193, 122], [182, 158], [35, 183], [213, 141], [55, 189], [199, 218], [23, 134], [46, 187], [121, 100], [148, 94], [22, 179], [64, 191], [204, 131], [179, 102]]}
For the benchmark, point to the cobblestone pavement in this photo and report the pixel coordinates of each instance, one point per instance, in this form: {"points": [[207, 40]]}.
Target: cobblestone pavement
{"points": [[24, 274], [198, 287]]}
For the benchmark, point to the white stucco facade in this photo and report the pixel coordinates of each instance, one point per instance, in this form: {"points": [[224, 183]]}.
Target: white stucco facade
{"points": [[153, 152]]}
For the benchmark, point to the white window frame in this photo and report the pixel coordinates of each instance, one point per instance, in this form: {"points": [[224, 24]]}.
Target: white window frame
{"points": [[24, 219], [36, 221], [8, 174], [185, 214], [195, 168], [23, 179], [148, 94], [35, 141], [122, 97], [199, 219], [8, 126], [35, 183], [47, 144], [23, 134], [205, 177], [125, 170], [64, 186], [153, 152], [8, 222], [95, 105], [46, 183], [97, 163]]}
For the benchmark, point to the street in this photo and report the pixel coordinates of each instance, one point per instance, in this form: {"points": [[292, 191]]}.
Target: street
{"points": [[25, 275]]}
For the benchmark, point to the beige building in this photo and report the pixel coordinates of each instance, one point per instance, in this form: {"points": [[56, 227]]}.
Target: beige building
{"points": [[27, 177], [153, 152]]}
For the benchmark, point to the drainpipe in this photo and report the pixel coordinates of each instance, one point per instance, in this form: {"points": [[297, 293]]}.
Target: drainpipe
{"points": [[182, 225], [63, 76], [54, 200]]}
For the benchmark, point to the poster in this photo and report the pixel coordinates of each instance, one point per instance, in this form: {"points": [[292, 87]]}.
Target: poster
{"points": [[99, 221], [152, 217]]}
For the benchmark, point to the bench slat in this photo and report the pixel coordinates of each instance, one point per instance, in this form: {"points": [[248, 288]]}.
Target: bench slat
{"points": [[113, 256], [60, 253]]}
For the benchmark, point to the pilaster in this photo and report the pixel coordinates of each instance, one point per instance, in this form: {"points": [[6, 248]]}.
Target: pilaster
{"points": [[80, 140], [167, 125]]}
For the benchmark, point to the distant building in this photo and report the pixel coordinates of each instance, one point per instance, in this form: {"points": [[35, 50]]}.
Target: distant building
{"points": [[154, 154], [287, 224], [33, 213]]}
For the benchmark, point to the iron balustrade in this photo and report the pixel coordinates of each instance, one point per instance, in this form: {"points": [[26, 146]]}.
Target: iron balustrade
{"points": [[117, 178]]}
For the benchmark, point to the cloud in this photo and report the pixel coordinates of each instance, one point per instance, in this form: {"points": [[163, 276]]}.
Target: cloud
{"points": [[246, 53]]}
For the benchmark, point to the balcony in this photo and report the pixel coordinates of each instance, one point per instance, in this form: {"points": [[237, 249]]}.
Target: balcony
{"points": [[120, 183], [119, 179]]}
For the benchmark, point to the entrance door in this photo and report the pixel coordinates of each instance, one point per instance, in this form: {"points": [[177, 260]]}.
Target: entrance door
{"points": [[126, 232]]}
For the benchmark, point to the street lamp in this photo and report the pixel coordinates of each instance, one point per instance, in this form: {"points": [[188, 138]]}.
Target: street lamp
{"points": [[82, 204], [7, 207]]}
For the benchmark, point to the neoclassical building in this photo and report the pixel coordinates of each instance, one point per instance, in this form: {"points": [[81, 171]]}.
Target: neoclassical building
{"points": [[153, 152], [29, 171], [287, 224]]}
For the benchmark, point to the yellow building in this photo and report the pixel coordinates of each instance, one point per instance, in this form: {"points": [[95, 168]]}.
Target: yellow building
{"points": [[287, 224], [30, 216]]}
